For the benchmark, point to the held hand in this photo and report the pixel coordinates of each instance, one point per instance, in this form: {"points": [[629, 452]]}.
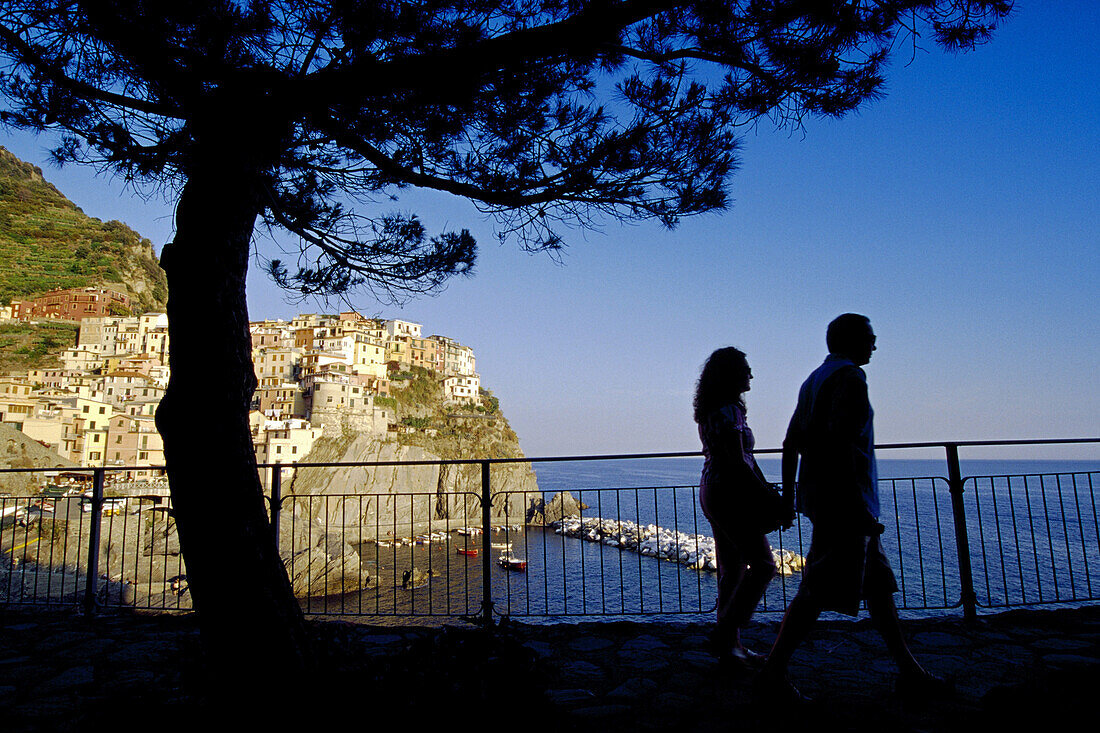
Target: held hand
{"points": [[788, 510], [788, 518], [870, 525]]}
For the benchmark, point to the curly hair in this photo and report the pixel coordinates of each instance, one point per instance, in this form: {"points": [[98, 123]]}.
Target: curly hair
{"points": [[719, 382]]}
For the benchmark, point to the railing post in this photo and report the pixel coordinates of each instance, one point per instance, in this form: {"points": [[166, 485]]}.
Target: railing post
{"points": [[276, 502], [91, 587], [962, 540], [486, 547]]}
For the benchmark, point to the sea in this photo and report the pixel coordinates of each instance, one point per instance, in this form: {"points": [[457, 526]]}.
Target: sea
{"points": [[1031, 527]]}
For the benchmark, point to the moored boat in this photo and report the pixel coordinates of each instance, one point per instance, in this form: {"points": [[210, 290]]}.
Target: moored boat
{"points": [[464, 551], [511, 562]]}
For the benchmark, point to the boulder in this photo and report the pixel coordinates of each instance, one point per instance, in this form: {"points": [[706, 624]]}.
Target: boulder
{"points": [[561, 506], [414, 577], [331, 567], [788, 562], [159, 535]]}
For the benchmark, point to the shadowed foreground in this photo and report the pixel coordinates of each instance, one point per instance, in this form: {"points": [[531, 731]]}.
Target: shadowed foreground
{"points": [[60, 671]]}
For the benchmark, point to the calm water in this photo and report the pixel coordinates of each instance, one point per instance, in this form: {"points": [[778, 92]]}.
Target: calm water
{"points": [[1032, 528]]}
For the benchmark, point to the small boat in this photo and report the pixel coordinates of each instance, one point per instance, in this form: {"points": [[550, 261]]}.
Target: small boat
{"points": [[511, 562], [463, 551], [501, 545]]}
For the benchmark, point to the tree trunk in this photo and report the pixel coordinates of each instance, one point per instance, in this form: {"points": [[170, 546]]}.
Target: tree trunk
{"points": [[251, 625]]}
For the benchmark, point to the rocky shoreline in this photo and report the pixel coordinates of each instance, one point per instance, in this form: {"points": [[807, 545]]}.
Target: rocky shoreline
{"points": [[696, 551]]}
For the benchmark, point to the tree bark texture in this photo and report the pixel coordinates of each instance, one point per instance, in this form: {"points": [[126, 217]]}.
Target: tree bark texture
{"points": [[250, 621]]}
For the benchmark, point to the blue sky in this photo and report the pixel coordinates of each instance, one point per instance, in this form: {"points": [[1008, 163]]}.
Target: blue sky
{"points": [[961, 213]]}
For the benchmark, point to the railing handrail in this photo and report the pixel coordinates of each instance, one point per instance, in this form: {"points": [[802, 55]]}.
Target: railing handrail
{"points": [[968, 599], [552, 459]]}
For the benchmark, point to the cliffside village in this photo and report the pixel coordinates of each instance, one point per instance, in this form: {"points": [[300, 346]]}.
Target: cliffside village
{"points": [[317, 374]]}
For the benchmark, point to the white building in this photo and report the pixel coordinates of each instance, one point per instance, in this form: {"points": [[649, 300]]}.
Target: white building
{"points": [[462, 388], [281, 441], [403, 328]]}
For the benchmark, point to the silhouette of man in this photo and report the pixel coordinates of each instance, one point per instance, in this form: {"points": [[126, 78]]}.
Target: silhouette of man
{"points": [[831, 432]]}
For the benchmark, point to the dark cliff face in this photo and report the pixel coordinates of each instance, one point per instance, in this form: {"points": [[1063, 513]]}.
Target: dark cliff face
{"points": [[47, 242]]}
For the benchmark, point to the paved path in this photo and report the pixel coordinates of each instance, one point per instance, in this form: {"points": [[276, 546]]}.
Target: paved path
{"points": [[60, 671]]}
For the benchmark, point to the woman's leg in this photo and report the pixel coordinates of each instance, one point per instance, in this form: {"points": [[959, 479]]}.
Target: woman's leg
{"points": [[757, 554], [731, 570]]}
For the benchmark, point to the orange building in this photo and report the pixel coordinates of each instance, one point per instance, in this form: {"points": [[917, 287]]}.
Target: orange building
{"points": [[72, 304]]}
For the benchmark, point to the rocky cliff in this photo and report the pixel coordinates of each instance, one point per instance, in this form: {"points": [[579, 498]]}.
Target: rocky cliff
{"points": [[391, 501]]}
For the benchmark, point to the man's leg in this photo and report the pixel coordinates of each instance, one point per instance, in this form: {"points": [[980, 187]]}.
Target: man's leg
{"points": [[915, 682], [884, 614], [796, 626]]}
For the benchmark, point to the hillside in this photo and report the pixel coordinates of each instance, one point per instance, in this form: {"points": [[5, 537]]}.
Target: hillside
{"points": [[47, 242], [445, 431], [414, 499], [25, 346]]}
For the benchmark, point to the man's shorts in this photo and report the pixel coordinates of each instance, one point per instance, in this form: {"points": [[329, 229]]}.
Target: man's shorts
{"points": [[843, 567]]}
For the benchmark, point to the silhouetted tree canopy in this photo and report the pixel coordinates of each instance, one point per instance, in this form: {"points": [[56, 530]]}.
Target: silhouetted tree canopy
{"points": [[543, 113]]}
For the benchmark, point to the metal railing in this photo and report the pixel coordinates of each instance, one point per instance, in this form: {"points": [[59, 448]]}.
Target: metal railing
{"points": [[990, 541]]}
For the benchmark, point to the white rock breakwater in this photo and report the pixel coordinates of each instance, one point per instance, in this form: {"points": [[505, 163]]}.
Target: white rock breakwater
{"points": [[693, 550]]}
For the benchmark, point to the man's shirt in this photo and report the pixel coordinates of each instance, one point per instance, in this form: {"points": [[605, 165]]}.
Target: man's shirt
{"points": [[832, 430]]}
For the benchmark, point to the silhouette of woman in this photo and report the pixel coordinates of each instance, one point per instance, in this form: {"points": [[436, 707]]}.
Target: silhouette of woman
{"points": [[745, 563]]}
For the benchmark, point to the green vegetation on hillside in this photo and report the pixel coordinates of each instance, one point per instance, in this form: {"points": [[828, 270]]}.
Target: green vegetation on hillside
{"points": [[47, 242], [415, 388], [451, 431], [26, 346]]}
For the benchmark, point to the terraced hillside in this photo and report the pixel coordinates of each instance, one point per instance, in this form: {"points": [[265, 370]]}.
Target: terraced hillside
{"points": [[47, 242], [26, 346]]}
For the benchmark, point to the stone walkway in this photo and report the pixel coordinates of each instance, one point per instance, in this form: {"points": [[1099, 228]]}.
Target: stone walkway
{"points": [[61, 671]]}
